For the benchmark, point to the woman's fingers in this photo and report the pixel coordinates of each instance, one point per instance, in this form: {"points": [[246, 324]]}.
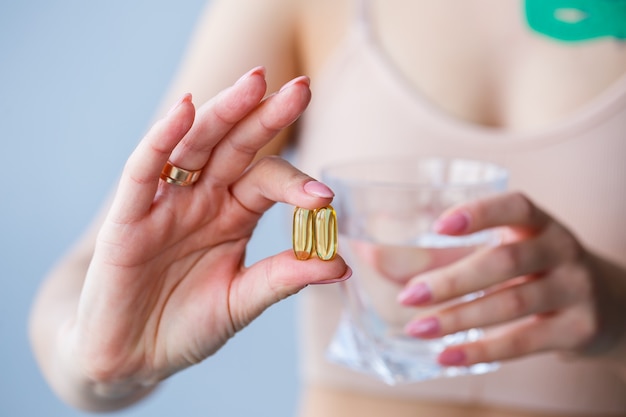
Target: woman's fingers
{"points": [[139, 180], [486, 268], [233, 154], [538, 288], [560, 289], [186, 138], [567, 330], [273, 179], [229, 129], [277, 277], [542, 244], [217, 117], [508, 209], [269, 180]]}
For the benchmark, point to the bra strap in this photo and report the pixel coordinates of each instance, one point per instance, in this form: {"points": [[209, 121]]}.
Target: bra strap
{"points": [[364, 17]]}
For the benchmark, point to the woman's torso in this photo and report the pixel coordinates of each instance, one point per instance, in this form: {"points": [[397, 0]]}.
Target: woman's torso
{"points": [[468, 79]]}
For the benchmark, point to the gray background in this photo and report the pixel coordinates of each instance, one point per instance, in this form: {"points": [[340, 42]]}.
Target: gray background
{"points": [[79, 83]]}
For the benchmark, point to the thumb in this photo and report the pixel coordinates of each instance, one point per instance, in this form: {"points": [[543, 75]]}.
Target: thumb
{"points": [[276, 278]]}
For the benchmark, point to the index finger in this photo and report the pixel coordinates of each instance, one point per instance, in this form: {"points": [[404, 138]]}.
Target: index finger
{"points": [[508, 209], [238, 149], [217, 117]]}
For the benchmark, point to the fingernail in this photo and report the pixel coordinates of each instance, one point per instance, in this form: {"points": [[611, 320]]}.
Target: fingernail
{"points": [[415, 294], [317, 189], [427, 327], [260, 70], [452, 357], [303, 79], [344, 277], [184, 98], [454, 223]]}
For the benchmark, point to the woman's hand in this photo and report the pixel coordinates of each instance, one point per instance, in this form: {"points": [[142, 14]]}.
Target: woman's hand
{"points": [[167, 285], [542, 289]]}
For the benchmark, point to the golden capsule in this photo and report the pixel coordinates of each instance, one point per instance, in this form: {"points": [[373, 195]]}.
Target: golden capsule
{"points": [[302, 234], [325, 233]]}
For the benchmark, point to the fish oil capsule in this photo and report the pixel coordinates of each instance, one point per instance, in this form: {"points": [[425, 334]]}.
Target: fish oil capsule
{"points": [[302, 233], [325, 230]]}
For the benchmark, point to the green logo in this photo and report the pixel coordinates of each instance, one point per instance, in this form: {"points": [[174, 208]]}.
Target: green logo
{"points": [[577, 20]]}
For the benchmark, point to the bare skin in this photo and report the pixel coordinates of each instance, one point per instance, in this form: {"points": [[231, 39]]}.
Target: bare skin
{"points": [[178, 273], [144, 259]]}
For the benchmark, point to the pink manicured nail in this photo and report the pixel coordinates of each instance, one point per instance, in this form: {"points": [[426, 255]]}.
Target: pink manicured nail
{"points": [[415, 294], [303, 79], [453, 223], [427, 327], [257, 70], [317, 189], [344, 277], [184, 98], [452, 357]]}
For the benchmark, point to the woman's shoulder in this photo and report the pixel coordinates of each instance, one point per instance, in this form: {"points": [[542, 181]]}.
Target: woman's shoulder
{"points": [[322, 25]]}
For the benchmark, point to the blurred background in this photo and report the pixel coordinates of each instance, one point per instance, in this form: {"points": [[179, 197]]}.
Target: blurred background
{"points": [[79, 83]]}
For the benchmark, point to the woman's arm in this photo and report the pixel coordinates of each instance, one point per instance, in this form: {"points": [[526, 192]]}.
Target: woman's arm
{"points": [[122, 310]]}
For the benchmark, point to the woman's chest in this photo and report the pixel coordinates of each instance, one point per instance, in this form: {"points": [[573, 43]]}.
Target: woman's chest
{"points": [[476, 60]]}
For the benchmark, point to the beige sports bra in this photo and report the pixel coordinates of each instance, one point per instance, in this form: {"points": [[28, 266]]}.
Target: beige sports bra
{"points": [[575, 168]]}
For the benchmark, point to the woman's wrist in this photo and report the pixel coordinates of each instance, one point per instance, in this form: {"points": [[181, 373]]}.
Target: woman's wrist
{"points": [[610, 288], [76, 385]]}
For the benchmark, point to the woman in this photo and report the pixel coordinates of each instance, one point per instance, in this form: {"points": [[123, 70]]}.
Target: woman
{"points": [[480, 78]]}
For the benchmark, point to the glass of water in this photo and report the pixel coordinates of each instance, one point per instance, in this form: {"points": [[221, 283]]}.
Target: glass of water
{"points": [[385, 214]]}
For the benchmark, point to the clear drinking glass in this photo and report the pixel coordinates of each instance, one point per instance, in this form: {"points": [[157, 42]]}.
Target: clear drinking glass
{"points": [[385, 212]]}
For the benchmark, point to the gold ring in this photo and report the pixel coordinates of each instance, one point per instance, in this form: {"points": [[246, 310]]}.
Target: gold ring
{"points": [[179, 176]]}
